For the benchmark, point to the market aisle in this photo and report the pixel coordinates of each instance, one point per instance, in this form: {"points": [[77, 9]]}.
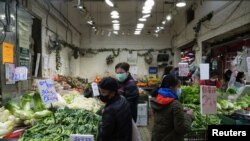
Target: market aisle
{"points": [[146, 131]]}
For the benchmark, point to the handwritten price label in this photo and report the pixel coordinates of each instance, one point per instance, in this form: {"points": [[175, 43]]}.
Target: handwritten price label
{"points": [[47, 91], [208, 100], [183, 69], [76, 137]]}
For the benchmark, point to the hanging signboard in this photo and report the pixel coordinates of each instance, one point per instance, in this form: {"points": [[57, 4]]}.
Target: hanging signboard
{"points": [[204, 71], [208, 99], [8, 53], [10, 73], [183, 69], [77, 137], [47, 91], [24, 57], [21, 74]]}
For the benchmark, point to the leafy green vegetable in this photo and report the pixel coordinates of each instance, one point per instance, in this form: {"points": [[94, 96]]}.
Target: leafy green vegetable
{"points": [[190, 94], [26, 101], [71, 121], [38, 103], [231, 91], [12, 107]]}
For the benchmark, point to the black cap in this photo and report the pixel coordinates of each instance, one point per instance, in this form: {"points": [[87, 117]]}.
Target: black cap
{"points": [[109, 83]]}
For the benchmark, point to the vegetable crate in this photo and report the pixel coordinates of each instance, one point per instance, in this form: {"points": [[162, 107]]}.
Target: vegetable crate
{"points": [[196, 135]]}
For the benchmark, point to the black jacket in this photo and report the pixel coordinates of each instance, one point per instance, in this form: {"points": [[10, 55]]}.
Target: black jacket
{"points": [[116, 124], [130, 91]]}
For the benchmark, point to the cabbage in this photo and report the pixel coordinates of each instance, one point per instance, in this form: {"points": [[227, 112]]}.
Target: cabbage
{"points": [[4, 115], [42, 114], [38, 102]]}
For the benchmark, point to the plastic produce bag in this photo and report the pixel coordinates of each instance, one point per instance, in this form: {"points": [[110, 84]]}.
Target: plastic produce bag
{"points": [[136, 136]]}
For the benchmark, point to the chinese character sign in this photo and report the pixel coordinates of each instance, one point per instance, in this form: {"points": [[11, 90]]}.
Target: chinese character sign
{"points": [[47, 91], [208, 100], [76, 137], [183, 69], [21, 74]]}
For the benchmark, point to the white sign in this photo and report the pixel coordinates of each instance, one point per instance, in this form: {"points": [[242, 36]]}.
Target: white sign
{"points": [[95, 89], [183, 69], [10, 73], [248, 65], [76, 137], [208, 99], [47, 91], [21, 73], [204, 71]]}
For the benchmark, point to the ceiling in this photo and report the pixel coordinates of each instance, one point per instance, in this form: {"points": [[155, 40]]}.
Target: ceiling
{"points": [[130, 11]]}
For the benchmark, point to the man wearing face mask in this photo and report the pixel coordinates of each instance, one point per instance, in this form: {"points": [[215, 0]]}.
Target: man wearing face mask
{"points": [[116, 123], [127, 87], [171, 122]]}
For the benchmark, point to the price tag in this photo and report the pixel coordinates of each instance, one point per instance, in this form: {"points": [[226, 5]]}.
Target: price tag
{"points": [[21, 74], [47, 91], [208, 100], [77, 137], [183, 69], [95, 89]]}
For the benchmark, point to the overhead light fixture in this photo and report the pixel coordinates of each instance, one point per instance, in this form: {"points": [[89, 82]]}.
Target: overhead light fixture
{"points": [[146, 16], [90, 22], [163, 22], [181, 3], [138, 29], [109, 3], [115, 32], [117, 24], [140, 25], [146, 11], [169, 17], [142, 20], [137, 32], [115, 16], [80, 7], [161, 27], [114, 13], [115, 21], [150, 3]]}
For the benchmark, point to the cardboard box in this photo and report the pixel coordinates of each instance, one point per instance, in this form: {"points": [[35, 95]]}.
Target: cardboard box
{"points": [[142, 109], [142, 120]]}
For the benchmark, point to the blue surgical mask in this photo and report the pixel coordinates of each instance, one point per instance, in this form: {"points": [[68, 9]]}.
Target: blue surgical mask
{"points": [[178, 93], [121, 77]]}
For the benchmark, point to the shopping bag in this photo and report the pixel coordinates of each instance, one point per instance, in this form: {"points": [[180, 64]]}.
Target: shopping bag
{"points": [[136, 136]]}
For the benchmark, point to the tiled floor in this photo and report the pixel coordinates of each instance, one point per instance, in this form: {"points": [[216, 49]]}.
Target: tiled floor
{"points": [[146, 131]]}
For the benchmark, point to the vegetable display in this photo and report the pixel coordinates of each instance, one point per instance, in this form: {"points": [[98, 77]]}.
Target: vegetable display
{"points": [[7, 121], [200, 121], [190, 94], [68, 121], [29, 109]]}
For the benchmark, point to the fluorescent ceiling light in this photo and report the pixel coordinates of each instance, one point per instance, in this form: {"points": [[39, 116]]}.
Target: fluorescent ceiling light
{"points": [[146, 11], [150, 3], [163, 22], [80, 7], [140, 25], [169, 17], [115, 16], [117, 24], [181, 4], [115, 32], [114, 13], [115, 21], [138, 29], [147, 8], [109, 3], [146, 16], [142, 20], [137, 33], [161, 27]]}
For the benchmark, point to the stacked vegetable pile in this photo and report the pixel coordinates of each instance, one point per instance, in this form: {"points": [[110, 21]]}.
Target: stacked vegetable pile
{"points": [[190, 98], [68, 121], [23, 110], [200, 120], [7, 121], [227, 108], [75, 83]]}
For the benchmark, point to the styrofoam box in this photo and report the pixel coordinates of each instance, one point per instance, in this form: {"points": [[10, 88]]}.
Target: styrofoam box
{"points": [[142, 109], [142, 120]]}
